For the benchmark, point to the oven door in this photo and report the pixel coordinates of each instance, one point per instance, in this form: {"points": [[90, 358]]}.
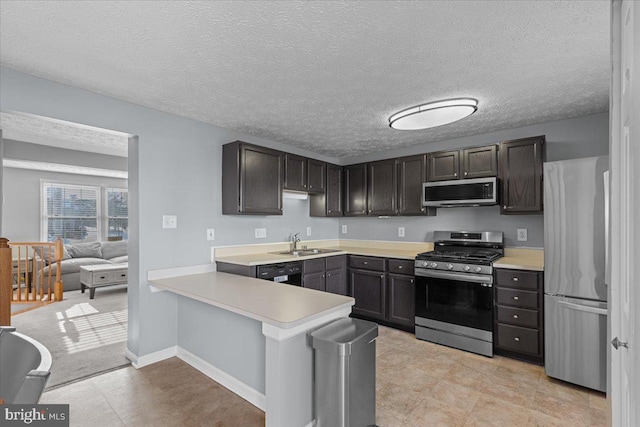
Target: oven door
{"points": [[455, 298]]}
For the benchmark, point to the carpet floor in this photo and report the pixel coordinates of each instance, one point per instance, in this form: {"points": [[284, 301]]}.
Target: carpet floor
{"points": [[85, 337]]}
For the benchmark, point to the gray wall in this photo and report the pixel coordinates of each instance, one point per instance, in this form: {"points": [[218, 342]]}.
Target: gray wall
{"points": [[565, 139], [19, 150], [21, 212], [173, 169]]}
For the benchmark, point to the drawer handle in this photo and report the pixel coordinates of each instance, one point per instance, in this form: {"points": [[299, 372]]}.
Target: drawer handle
{"points": [[515, 316], [365, 263], [102, 277], [123, 275], [399, 267], [515, 279], [516, 298], [516, 339], [382, 276]]}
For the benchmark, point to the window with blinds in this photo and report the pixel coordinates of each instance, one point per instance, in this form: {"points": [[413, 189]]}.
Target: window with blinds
{"points": [[83, 213], [71, 212], [117, 214]]}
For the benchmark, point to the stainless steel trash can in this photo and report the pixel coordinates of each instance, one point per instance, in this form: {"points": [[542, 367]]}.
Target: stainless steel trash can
{"points": [[345, 373]]}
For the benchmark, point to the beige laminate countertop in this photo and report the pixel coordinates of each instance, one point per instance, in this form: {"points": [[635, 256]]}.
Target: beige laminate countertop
{"points": [[271, 258], [521, 259], [278, 304]]}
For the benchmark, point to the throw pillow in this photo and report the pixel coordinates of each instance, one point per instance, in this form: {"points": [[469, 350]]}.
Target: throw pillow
{"points": [[114, 249], [85, 250]]}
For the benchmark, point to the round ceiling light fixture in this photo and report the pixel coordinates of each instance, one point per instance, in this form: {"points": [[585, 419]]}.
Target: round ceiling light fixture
{"points": [[433, 114]]}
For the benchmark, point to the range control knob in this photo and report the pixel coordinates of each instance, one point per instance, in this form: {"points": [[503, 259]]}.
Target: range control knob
{"points": [[466, 268], [477, 269], [433, 265], [449, 266]]}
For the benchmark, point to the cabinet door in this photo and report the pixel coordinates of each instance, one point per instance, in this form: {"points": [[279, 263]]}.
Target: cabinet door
{"points": [[401, 299], [382, 187], [314, 281], [521, 175], [334, 190], [316, 176], [355, 189], [369, 290], [479, 162], [444, 165], [295, 172], [260, 180], [336, 281], [412, 173]]}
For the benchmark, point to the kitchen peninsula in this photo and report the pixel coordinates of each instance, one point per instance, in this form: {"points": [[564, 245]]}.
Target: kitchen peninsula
{"points": [[251, 337]]}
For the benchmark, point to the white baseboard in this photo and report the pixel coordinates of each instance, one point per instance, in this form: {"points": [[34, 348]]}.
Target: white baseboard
{"points": [[249, 394], [149, 359]]}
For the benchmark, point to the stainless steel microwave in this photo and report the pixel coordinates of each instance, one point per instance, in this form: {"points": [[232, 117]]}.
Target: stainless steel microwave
{"points": [[461, 192]]}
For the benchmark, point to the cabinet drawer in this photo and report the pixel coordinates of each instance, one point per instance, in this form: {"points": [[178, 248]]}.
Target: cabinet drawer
{"points": [[103, 277], [517, 279], [517, 316], [518, 339], [367, 263], [313, 266], [515, 298], [401, 266], [336, 262]]}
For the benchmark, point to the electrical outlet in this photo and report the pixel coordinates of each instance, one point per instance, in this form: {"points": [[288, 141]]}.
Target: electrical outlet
{"points": [[308, 231], [344, 229], [522, 234], [400, 231], [169, 221], [211, 234], [261, 233]]}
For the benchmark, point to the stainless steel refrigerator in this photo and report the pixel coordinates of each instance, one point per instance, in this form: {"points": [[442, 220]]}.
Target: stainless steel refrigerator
{"points": [[575, 300]]}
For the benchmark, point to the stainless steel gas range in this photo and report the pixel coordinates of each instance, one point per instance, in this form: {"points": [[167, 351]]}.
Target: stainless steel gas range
{"points": [[454, 290]]}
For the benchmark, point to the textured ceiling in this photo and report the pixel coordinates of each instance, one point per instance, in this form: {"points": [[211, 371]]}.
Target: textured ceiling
{"points": [[323, 76], [58, 133]]}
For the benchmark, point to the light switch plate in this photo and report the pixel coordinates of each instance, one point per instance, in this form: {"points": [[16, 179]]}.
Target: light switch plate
{"points": [[522, 234], [400, 231], [344, 229], [308, 231], [169, 221], [261, 233], [211, 234]]}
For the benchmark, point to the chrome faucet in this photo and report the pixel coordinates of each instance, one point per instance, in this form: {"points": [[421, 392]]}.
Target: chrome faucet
{"points": [[295, 239]]}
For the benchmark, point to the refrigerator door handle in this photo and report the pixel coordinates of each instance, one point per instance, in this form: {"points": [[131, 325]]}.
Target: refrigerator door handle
{"points": [[580, 307]]}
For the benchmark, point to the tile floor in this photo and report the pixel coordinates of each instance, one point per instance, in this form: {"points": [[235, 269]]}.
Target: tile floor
{"points": [[418, 384]]}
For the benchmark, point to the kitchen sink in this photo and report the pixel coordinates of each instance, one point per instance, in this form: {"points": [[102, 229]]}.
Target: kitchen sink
{"points": [[304, 252]]}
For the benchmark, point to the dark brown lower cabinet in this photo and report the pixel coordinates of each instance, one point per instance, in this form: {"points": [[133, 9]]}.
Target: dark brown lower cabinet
{"points": [[518, 312], [384, 290], [401, 299], [326, 274], [369, 290]]}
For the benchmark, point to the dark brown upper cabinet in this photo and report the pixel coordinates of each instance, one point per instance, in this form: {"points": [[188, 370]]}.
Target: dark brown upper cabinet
{"points": [[444, 165], [521, 175], [252, 180], [355, 190], [382, 187], [295, 172], [328, 203], [412, 173], [480, 162], [316, 176], [476, 162]]}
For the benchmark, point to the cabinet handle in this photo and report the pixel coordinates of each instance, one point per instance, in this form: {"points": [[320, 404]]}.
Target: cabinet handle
{"points": [[504, 207], [364, 211], [329, 210], [323, 276], [328, 275], [455, 174], [382, 276], [304, 185], [515, 279], [465, 174], [365, 262], [399, 267], [411, 280], [516, 298], [422, 209], [516, 339], [515, 316]]}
